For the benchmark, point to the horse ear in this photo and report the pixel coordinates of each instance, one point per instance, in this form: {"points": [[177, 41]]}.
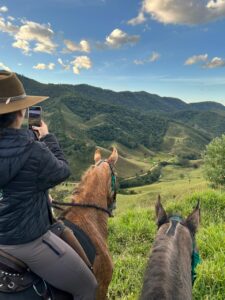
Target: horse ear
{"points": [[193, 220], [97, 156], [113, 157], [160, 212]]}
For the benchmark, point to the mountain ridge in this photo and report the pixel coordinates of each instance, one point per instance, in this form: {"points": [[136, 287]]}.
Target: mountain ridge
{"points": [[91, 91], [84, 117]]}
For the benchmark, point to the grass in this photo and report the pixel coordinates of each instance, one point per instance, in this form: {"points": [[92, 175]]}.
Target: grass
{"points": [[132, 231]]}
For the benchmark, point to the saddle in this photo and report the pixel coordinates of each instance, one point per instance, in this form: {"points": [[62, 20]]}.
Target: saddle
{"points": [[15, 275]]}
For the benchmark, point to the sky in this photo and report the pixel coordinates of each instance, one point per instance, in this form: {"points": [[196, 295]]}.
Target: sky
{"points": [[171, 48]]}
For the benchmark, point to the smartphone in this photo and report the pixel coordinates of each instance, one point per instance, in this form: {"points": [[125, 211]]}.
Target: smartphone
{"points": [[34, 116]]}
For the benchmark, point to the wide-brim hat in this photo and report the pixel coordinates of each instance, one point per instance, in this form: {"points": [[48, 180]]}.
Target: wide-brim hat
{"points": [[12, 94]]}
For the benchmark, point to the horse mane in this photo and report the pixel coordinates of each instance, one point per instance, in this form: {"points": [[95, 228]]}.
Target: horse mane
{"points": [[83, 180], [85, 188], [163, 278], [78, 189]]}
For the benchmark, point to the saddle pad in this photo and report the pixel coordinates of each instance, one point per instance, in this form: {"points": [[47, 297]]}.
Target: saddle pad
{"points": [[83, 239]]}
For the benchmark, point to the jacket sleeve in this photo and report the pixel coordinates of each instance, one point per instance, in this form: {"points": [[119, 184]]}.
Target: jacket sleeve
{"points": [[53, 165]]}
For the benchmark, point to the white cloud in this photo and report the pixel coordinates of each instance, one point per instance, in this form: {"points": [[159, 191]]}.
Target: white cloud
{"points": [[81, 62], [3, 9], [41, 34], [51, 66], [41, 66], [23, 45], [138, 20], [216, 4], [83, 46], [119, 38], [65, 67], [138, 62], [45, 47], [153, 57], [196, 59], [4, 67], [8, 27], [181, 11], [216, 62], [11, 18]]}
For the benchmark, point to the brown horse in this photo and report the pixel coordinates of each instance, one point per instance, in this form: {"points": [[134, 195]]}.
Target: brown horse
{"points": [[169, 274], [96, 189]]}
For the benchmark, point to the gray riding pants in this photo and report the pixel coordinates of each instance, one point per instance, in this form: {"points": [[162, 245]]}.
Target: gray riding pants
{"points": [[57, 263]]}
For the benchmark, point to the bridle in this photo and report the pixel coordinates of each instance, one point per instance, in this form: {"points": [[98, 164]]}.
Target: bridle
{"points": [[110, 207], [112, 204]]}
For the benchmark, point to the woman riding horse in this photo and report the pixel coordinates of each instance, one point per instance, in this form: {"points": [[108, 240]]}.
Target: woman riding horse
{"points": [[28, 168]]}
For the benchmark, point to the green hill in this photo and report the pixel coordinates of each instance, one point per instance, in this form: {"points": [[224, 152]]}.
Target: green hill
{"points": [[211, 123], [142, 124], [207, 105], [183, 140]]}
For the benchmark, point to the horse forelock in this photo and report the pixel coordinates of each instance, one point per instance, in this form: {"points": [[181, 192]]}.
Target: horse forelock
{"points": [[173, 232]]}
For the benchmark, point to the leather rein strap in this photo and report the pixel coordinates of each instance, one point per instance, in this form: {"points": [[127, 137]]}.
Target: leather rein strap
{"points": [[57, 204], [73, 204]]}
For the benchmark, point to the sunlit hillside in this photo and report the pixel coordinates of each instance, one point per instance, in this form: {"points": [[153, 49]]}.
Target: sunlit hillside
{"points": [[140, 124]]}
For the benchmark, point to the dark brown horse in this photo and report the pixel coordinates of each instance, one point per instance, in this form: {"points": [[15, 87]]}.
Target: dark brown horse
{"points": [[170, 268]]}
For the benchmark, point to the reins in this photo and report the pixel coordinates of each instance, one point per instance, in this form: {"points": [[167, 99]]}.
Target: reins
{"points": [[57, 204]]}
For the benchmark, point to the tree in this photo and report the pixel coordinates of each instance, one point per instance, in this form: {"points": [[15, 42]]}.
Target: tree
{"points": [[214, 160]]}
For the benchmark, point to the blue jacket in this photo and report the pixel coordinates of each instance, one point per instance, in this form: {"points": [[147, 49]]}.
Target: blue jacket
{"points": [[28, 168]]}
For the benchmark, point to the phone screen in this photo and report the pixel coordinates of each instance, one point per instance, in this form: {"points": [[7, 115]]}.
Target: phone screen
{"points": [[34, 116]]}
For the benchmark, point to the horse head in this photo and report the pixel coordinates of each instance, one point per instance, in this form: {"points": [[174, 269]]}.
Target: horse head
{"points": [[171, 268], [106, 167], [165, 222], [97, 188]]}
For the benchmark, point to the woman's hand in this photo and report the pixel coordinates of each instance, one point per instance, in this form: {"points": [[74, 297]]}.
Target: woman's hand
{"points": [[42, 130]]}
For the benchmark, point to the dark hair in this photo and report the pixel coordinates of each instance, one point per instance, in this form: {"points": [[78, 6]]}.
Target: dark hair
{"points": [[7, 119]]}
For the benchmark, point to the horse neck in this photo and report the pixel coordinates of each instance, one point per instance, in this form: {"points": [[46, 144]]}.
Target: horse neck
{"points": [[94, 218], [96, 196], [168, 274]]}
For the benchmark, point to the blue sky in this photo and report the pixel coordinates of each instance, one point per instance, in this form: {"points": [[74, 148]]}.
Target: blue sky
{"points": [[167, 47]]}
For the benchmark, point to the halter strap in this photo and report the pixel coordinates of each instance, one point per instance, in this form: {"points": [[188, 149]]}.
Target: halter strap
{"points": [[113, 176], [175, 218]]}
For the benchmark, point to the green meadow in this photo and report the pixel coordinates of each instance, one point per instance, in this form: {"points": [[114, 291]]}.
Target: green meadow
{"points": [[132, 232], [133, 229]]}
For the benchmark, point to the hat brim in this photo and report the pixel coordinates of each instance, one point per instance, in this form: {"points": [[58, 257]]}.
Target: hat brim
{"points": [[21, 104]]}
